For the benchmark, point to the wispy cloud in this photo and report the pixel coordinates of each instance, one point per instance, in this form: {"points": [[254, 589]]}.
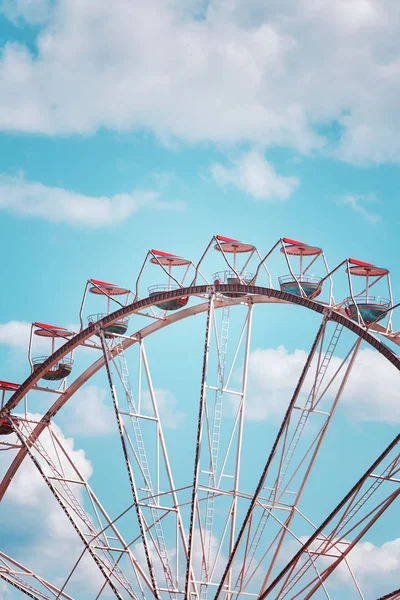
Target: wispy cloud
{"points": [[254, 72], [88, 414], [358, 204], [254, 175], [274, 372], [58, 205], [171, 417]]}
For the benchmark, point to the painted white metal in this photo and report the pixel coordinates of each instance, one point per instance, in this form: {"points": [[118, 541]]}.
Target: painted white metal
{"points": [[31, 440]]}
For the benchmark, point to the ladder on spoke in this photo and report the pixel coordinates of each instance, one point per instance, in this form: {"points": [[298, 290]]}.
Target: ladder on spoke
{"points": [[309, 403], [78, 510], [215, 439], [322, 370], [122, 368]]}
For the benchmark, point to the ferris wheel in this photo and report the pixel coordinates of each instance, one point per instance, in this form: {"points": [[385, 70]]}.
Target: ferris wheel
{"points": [[228, 516]]}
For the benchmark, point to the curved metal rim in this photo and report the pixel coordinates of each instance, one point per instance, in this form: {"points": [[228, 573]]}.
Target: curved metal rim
{"points": [[257, 295], [195, 291]]}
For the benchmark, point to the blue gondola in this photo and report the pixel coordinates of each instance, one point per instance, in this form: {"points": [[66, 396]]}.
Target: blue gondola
{"points": [[309, 284], [58, 371], [118, 327], [228, 277], [371, 309], [171, 304]]}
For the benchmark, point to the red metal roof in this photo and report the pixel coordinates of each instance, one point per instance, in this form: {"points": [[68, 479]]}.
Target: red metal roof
{"points": [[221, 238], [290, 241], [353, 261], [160, 253], [105, 283], [46, 326], [7, 385]]}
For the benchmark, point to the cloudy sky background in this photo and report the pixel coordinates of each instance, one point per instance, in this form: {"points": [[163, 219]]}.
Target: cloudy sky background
{"points": [[130, 125]]}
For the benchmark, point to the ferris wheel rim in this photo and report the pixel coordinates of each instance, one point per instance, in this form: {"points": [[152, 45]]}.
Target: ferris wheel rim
{"points": [[246, 291], [259, 295]]}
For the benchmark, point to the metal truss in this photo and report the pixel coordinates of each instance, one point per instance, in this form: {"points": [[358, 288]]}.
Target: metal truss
{"points": [[16, 574], [231, 557], [288, 467], [97, 531], [217, 464], [144, 474], [341, 530]]}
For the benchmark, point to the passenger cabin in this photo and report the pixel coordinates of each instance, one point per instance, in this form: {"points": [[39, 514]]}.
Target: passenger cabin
{"points": [[167, 262], [364, 306], [63, 367], [236, 276], [57, 372], [109, 290], [6, 386], [300, 283]]}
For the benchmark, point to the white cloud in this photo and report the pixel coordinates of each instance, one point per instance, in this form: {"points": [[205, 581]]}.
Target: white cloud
{"points": [[6, 591], [64, 206], [375, 566], [269, 73], [372, 392], [37, 533], [273, 373], [255, 176], [15, 334], [170, 417], [357, 204], [87, 414], [27, 486]]}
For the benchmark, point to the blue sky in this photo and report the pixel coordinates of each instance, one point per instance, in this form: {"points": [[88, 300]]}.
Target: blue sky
{"points": [[129, 125]]}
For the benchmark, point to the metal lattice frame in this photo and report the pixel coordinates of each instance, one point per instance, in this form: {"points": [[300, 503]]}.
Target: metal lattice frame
{"points": [[280, 465]]}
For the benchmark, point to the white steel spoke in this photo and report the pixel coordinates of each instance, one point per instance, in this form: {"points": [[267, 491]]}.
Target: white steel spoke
{"points": [[218, 483], [337, 547], [211, 536], [161, 441], [121, 427], [94, 538], [203, 392], [151, 528], [17, 575], [244, 533], [240, 436], [281, 493]]}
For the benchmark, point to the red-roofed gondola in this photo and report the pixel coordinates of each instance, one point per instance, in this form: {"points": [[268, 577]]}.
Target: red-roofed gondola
{"points": [[165, 259], [237, 276], [64, 367], [363, 306], [58, 371], [118, 327], [300, 283], [109, 290]]}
